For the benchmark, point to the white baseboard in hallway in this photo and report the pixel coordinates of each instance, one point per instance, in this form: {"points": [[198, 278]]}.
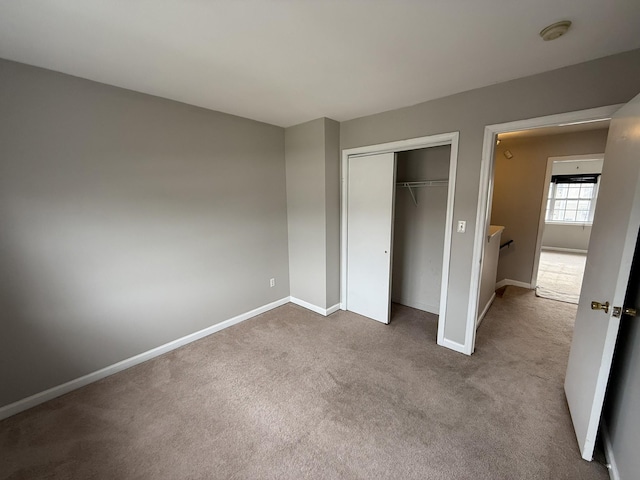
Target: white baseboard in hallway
{"points": [[51, 393], [515, 283], [566, 250]]}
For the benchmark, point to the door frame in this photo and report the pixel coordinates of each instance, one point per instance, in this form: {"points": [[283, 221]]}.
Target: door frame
{"points": [[443, 139], [543, 206], [485, 191]]}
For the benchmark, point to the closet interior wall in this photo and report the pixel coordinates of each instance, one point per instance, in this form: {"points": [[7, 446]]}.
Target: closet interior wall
{"points": [[419, 227]]}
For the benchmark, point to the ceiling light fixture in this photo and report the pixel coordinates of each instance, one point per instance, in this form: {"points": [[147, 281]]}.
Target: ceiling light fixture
{"points": [[555, 30]]}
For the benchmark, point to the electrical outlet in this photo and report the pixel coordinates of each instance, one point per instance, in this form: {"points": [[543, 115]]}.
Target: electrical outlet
{"points": [[272, 282], [462, 226]]}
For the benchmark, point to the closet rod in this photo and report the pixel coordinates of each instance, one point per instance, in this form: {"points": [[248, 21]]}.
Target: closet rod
{"points": [[422, 183]]}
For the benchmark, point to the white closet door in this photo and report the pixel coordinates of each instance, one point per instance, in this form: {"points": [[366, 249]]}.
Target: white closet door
{"points": [[371, 195]]}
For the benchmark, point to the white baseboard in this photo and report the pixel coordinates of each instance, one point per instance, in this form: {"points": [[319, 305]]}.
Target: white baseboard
{"points": [[455, 346], [435, 309], [314, 308], [486, 309], [333, 309], [614, 473], [515, 283], [51, 393], [566, 250]]}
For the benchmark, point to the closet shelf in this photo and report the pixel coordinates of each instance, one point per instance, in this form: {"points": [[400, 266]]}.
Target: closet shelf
{"points": [[421, 183]]}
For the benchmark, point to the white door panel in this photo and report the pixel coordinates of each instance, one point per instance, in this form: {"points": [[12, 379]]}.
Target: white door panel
{"points": [[371, 193], [611, 247]]}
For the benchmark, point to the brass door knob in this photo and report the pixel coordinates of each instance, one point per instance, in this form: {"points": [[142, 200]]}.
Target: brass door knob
{"points": [[600, 306]]}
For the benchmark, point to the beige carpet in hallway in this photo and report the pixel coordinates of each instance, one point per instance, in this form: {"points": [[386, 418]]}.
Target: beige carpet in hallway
{"points": [[560, 275], [293, 395]]}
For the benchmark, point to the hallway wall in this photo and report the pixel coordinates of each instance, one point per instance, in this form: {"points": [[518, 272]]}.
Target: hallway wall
{"points": [[518, 192]]}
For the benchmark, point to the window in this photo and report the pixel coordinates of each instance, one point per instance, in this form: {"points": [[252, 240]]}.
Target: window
{"points": [[572, 198]]}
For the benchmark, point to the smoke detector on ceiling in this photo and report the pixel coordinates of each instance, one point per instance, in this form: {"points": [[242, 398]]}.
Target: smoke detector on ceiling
{"points": [[555, 30]]}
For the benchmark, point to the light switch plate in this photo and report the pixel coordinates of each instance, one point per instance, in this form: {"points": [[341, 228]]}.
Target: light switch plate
{"points": [[462, 226]]}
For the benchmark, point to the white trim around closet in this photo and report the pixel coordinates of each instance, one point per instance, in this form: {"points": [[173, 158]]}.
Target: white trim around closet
{"points": [[401, 146]]}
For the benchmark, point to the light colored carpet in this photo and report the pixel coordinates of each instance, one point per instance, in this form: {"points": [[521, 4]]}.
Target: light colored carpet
{"points": [[293, 395], [560, 275]]}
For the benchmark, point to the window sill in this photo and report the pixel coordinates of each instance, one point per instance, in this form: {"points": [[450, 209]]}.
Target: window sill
{"points": [[571, 224]]}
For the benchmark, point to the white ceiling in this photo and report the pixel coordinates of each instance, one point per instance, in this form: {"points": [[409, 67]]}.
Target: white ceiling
{"points": [[289, 61]]}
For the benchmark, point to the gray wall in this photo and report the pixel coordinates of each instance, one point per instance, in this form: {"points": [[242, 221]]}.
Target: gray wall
{"points": [[606, 81], [126, 221], [304, 153], [313, 206], [418, 235], [573, 237], [622, 405], [519, 190], [332, 188]]}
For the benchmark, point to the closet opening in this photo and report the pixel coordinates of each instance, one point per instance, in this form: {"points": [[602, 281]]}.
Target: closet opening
{"points": [[397, 219], [422, 178]]}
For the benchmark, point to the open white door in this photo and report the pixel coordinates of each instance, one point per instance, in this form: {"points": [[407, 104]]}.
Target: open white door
{"points": [[613, 239], [370, 206]]}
